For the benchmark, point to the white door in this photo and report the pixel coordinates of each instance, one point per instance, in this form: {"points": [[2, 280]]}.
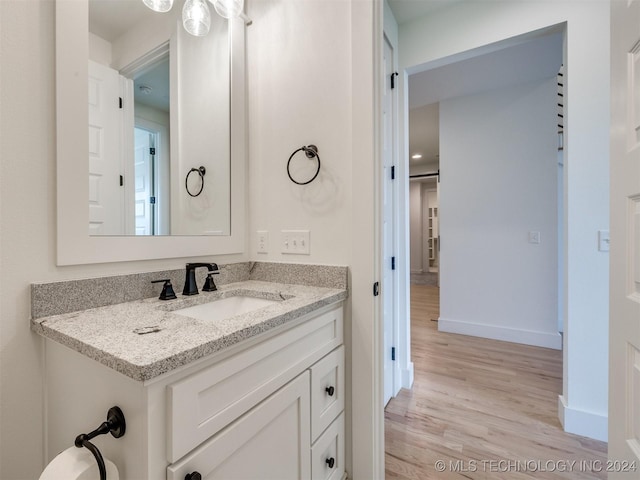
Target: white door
{"points": [[624, 323], [145, 146], [388, 248], [106, 195]]}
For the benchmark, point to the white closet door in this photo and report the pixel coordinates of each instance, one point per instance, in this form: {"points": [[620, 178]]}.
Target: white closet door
{"points": [[624, 324]]}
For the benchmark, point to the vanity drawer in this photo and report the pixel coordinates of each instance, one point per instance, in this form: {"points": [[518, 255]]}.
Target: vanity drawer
{"points": [[327, 454], [327, 391], [202, 404], [270, 441]]}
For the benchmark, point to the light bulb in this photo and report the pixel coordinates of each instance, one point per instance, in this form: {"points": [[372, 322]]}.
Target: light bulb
{"points": [[196, 17], [159, 5], [229, 8]]}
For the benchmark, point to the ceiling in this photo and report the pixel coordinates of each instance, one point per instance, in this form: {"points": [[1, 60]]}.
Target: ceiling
{"points": [[109, 19], [405, 10], [532, 60]]}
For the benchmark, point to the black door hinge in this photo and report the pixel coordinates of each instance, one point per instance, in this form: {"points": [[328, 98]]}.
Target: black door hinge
{"points": [[152, 151], [393, 354], [393, 83], [376, 289], [393, 172], [393, 263], [152, 200], [120, 102], [121, 180]]}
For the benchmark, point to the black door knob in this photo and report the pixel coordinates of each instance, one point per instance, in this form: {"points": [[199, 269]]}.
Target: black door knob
{"points": [[193, 476], [331, 462], [330, 391]]}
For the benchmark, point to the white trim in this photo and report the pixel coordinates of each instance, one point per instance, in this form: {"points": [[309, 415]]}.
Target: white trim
{"points": [[581, 422], [496, 332], [366, 381], [407, 376]]}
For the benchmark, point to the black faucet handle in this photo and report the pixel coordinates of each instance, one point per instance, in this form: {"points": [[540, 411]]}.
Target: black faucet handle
{"points": [[167, 289], [209, 285]]}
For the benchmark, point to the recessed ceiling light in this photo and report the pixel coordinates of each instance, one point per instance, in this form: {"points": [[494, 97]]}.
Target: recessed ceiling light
{"points": [[417, 156]]}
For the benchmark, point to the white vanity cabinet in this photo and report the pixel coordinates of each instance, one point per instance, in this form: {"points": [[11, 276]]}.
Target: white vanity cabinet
{"points": [[268, 408]]}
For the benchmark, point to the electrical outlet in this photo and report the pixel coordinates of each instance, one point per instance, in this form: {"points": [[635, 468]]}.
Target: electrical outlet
{"points": [[263, 241], [295, 242]]}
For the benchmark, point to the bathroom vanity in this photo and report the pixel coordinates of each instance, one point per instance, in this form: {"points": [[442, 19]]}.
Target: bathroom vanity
{"points": [[258, 394]]}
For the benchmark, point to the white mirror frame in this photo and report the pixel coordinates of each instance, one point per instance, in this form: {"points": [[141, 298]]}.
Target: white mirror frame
{"points": [[75, 246]]}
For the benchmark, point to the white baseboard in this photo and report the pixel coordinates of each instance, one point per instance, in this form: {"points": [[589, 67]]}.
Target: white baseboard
{"points": [[527, 337], [407, 376], [579, 422]]}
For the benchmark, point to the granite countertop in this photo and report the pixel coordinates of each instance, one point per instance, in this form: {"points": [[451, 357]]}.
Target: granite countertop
{"points": [[143, 339]]}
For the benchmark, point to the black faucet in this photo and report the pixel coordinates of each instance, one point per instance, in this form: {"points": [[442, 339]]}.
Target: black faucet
{"points": [[190, 287]]}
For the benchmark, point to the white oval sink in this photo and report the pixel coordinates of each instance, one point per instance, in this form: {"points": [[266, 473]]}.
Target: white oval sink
{"points": [[224, 308]]}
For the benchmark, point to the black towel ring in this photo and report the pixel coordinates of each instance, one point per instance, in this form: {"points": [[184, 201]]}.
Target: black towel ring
{"points": [[201, 171], [311, 152], [115, 425]]}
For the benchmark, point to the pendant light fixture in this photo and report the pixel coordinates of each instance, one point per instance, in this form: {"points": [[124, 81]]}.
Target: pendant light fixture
{"points": [[159, 5], [228, 8], [196, 17]]}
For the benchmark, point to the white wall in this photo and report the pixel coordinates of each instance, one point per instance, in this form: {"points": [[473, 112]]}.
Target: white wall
{"points": [[457, 32], [498, 158], [299, 94]]}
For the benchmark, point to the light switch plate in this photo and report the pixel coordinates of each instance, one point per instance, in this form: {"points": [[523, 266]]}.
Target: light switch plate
{"points": [[295, 242]]}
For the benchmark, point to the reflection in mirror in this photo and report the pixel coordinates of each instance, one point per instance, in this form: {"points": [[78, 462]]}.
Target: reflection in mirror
{"points": [[159, 106]]}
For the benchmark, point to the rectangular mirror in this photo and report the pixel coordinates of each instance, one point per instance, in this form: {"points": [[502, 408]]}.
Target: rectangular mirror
{"points": [[159, 114], [202, 130]]}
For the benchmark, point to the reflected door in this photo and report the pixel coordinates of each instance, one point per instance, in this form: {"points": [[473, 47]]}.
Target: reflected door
{"points": [[145, 199], [106, 195]]}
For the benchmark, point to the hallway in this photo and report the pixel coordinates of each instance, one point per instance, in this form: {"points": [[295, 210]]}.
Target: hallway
{"points": [[481, 409]]}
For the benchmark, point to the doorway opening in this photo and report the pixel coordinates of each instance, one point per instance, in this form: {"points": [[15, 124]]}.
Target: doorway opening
{"points": [[151, 160], [486, 190], [146, 214], [424, 193]]}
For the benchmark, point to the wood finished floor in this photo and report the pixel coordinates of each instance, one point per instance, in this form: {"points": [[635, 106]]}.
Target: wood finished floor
{"points": [[484, 407]]}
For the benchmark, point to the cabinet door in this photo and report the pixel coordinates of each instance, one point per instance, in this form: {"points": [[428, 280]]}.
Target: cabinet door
{"points": [[271, 441]]}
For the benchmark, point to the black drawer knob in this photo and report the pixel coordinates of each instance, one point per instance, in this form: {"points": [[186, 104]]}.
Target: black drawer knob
{"points": [[330, 391], [331, 462], [193, 476]]}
